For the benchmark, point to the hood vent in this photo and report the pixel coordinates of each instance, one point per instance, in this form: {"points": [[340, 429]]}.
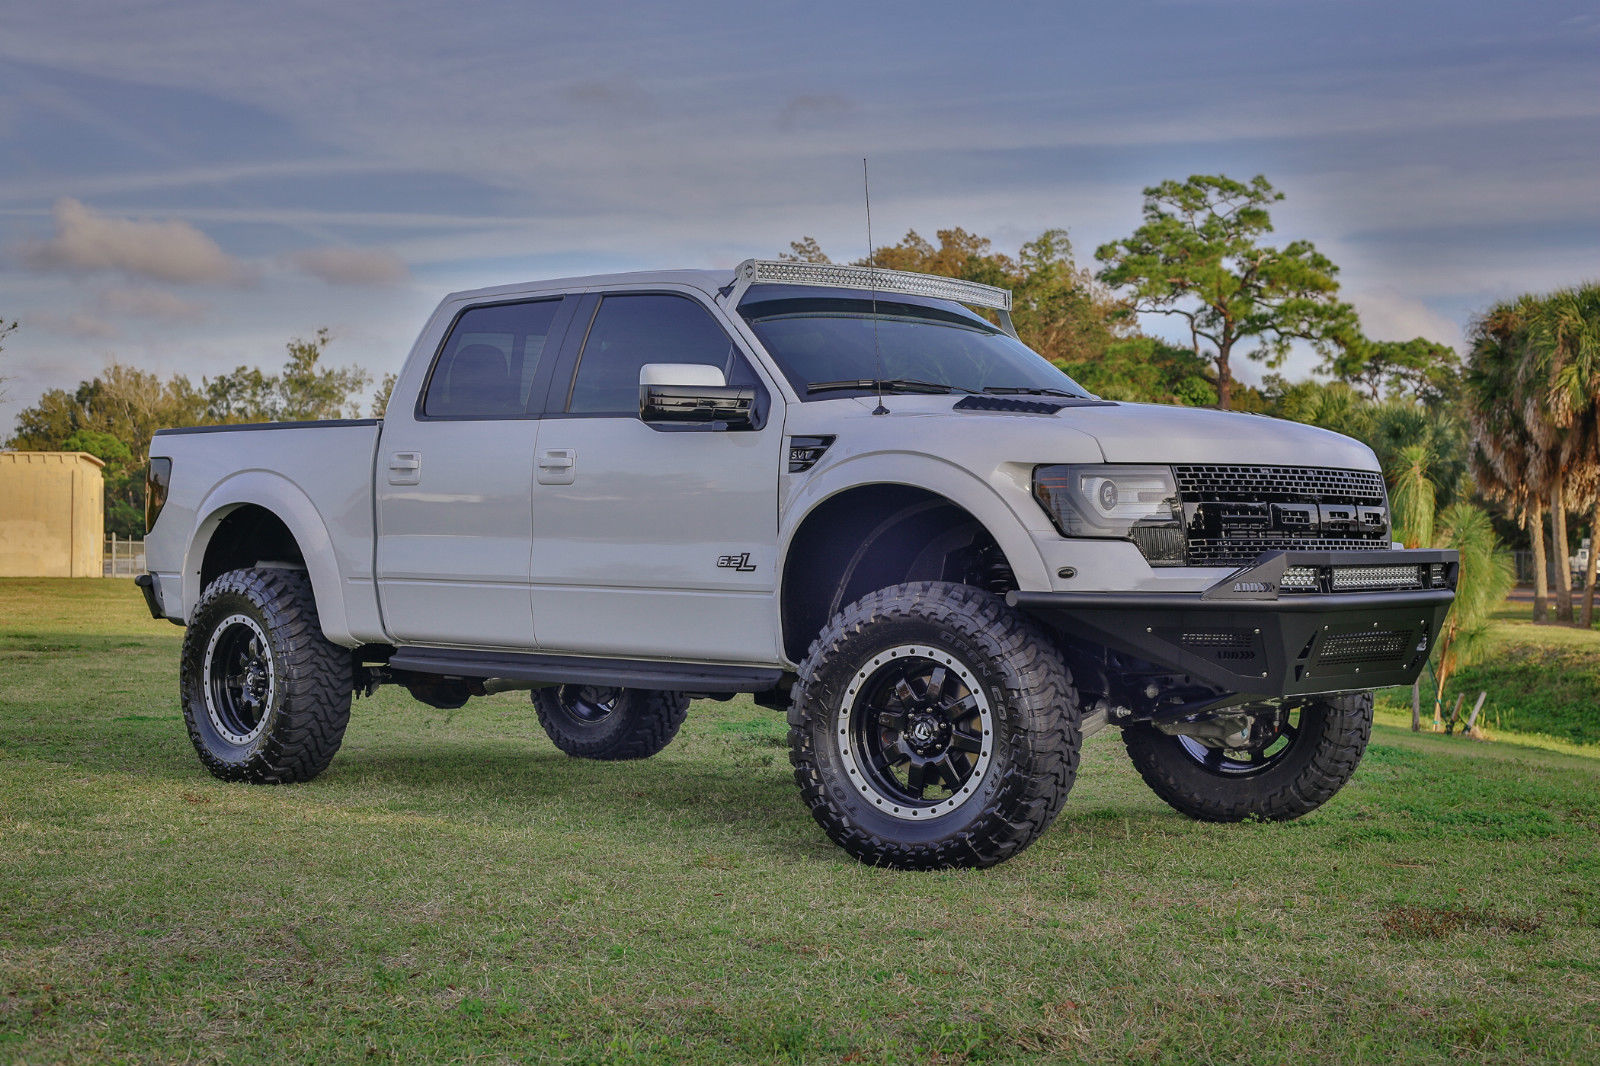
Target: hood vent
{"points": [[1018, 406]]}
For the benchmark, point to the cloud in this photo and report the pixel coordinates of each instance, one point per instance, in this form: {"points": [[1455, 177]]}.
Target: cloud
{"points": [[1389, 315], [352, 266], [77, 324], [815, 109], [620, 95], [149, 302], [174, 251]]}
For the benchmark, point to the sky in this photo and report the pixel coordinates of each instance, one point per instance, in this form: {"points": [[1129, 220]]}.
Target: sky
{"points": [[186, 186]]}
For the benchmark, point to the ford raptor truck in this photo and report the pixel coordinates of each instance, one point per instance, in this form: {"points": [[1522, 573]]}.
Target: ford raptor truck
{"points": [[850, 492]]}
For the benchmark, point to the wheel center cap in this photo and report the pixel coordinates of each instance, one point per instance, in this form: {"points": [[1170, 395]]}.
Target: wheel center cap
{"points": [[926, 734]]}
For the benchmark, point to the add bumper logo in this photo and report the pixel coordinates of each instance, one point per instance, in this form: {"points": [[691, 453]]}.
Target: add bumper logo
{"points": [[740, 562]]}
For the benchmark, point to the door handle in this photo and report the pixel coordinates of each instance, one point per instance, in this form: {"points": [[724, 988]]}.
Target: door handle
{"points": [[558, 466], [405, 468], [558, 459]]}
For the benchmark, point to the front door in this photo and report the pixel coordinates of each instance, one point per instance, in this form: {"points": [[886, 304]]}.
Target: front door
{"points": [[653, 541], [455, 480]]}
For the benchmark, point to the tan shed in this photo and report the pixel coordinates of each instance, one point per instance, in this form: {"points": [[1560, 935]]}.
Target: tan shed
{"points": [[52, 514]]}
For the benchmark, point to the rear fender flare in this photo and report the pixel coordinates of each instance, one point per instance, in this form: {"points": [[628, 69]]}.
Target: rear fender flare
{"points": [[294, 508]]}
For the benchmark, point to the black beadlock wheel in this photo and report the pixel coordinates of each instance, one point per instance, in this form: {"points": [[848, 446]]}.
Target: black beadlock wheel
{"points": [[266, 696], [1291, 765], [596, 722], [933, 727]]}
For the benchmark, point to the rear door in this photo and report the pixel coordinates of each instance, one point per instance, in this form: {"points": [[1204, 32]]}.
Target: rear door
{"points": [[653, 541], [455, 477]]}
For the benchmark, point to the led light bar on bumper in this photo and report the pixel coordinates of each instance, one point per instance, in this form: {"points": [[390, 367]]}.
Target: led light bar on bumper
{"points": [[1365, 578]]}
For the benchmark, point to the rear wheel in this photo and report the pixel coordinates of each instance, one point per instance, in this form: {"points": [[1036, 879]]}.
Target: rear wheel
{"points": [[265, 695], [932, 727], [598, 722], [1289, 763]]}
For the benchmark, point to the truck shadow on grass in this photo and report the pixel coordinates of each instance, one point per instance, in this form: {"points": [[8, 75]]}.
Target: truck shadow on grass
{"points": [[504, 784]]}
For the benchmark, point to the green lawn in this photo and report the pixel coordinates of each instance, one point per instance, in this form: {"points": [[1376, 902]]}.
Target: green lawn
{"points": [[455, 889], [1543, 685]]}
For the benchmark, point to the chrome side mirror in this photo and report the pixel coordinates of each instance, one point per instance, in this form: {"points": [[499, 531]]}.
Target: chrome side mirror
{"points": [[694, 393]]}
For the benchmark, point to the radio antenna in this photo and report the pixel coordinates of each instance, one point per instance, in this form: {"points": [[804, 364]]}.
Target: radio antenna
{"points": [[872, 275]]}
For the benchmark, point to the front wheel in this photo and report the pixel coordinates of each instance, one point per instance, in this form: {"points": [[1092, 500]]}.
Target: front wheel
{"points": [[933, 727], [1293, 762]]}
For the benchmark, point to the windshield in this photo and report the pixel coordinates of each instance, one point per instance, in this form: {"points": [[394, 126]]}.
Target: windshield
{"points": [[910, 345]]}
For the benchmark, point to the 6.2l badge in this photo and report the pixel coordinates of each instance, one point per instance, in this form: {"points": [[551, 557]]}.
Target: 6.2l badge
{"points": [[740, 562]]}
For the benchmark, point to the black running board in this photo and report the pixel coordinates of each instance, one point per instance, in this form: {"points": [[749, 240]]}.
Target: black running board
{"points": [[582, 670]]}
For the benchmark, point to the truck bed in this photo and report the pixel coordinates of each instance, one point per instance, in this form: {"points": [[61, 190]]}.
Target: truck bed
{"points": [[315, 476]]}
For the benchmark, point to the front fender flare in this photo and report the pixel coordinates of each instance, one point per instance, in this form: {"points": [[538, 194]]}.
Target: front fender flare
{"points": [[956, 484]]}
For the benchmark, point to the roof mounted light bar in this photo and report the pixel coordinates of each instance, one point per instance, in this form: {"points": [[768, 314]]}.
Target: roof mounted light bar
{"points": [[773, 272]]}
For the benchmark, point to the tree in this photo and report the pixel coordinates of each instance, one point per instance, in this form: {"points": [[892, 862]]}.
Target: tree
{"points": [[1511, 465], [303, 390], [1561, 396], [1419, 367], [1413, 499], [380, 399], [112, 416], [307, 390], [1483, 581], [1198, 256], [1058, 309], [6, 329], [243, 394], [1145, 370], [122, 407], [123, 476], [805, 250]]}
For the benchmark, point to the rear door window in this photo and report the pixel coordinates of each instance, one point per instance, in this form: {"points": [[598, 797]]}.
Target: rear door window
{"points": [[488, 363]]}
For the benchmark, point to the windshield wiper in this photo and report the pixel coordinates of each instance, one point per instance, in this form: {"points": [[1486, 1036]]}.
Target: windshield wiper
{"points": [[1028, 390], [886, 384]]}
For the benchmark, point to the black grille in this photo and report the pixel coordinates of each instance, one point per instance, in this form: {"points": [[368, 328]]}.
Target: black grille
{"points": [[1278, 484], [1226, 646], [1234, 513]]}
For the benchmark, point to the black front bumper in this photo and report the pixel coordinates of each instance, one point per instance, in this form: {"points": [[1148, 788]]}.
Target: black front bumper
{"points": [[1246, 640]]}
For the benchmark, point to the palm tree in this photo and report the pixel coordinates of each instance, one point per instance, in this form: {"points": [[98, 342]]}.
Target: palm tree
{"points": [[1486, 576], [1413, 497], [1507, 463], [1565, 358]]}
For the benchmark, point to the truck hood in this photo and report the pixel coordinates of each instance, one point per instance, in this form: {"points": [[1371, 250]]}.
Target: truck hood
{"points": [[1144, 433], [1156, 433]]}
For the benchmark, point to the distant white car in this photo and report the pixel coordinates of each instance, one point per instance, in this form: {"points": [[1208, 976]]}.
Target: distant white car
{"points": [[839, 489], [1579, 563]]}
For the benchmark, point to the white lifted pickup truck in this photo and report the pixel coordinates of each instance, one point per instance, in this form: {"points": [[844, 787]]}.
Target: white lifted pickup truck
{"points": [[838, 488]]}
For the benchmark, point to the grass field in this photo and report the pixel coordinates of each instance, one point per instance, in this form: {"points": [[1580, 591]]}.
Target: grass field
{"points": [[455, 889]]}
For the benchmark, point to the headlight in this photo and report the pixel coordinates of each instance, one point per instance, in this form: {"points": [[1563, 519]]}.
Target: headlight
{"points": [[1137, 503]]}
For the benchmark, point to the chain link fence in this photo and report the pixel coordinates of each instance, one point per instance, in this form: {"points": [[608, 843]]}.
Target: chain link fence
{"points": [[124, 557], [1524, 565]]}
